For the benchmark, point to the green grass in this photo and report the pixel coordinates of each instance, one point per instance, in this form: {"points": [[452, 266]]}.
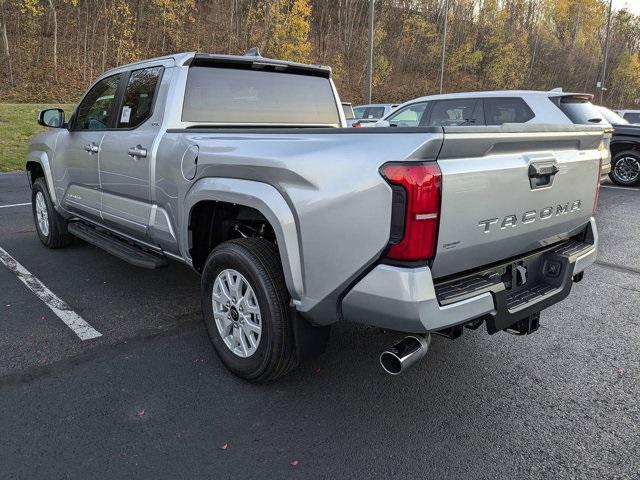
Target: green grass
{"points": [[17, 125]]}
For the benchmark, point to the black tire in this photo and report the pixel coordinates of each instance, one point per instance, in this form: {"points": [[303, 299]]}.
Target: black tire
{"points": [[258, 261], [57, 235], [625, 168]]}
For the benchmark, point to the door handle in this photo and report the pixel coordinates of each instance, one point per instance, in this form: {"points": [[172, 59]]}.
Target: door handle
{"points": [[91, 148], [137, 152]]}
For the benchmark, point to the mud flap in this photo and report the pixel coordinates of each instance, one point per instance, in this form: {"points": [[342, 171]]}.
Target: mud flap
{"points": [[310, 340]]}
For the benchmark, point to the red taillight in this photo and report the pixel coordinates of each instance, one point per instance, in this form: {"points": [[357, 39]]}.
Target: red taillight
{"points": [[356, 125], [422, 183]]}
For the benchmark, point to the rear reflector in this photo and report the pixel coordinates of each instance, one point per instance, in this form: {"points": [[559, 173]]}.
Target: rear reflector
{"points": [[595, 201], [356, 125], [422, 183]]}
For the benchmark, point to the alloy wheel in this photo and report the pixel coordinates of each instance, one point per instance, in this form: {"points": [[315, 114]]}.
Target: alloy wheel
{"points": [[236, 313]]}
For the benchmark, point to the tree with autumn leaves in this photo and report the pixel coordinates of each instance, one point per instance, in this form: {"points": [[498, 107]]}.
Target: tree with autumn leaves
{"points": [[51, 49]]}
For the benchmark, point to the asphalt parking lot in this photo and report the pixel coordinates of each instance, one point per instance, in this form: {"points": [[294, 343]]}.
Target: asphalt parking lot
{"points": [[149, 399]]}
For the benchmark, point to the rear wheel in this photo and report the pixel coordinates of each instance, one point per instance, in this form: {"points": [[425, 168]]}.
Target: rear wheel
{"points": [[245, 305], [50, 225], [625, 168]]}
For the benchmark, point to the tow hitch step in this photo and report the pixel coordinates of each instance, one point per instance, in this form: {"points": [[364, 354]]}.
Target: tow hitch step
{"points": [[117, 247]]}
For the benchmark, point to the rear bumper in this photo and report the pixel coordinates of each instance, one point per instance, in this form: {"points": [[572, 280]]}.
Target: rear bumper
{"points": [[407, 300]]}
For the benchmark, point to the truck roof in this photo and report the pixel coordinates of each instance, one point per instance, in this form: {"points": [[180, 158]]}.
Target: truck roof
{"points": [[253, 57]]}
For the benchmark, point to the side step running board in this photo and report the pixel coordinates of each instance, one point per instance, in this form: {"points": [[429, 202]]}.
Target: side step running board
{"points": [[116, 247]]}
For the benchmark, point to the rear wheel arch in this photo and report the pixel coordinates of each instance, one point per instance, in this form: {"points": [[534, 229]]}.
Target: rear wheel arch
{"points": [[214, 205], [213, 222]]}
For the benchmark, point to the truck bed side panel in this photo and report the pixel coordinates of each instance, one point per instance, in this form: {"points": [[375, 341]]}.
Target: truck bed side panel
{"points": [[330, 179]]}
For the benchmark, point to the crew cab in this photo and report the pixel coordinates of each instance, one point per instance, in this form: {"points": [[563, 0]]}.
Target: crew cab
{"points": [[240, 166]]}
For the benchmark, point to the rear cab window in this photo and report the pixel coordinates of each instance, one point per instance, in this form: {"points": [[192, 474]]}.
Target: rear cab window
{"points": [[579, 109], [249, 96]]}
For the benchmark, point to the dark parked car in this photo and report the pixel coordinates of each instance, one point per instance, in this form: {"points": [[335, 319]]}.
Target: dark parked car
{"points": [[625, 149]]}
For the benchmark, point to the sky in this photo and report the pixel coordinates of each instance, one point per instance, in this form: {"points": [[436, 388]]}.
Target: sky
{"points": [[631, 5]]}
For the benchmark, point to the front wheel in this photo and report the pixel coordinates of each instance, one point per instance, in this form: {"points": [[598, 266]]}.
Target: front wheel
{"points": [[245, 305], [50, 225], [625, 168]]}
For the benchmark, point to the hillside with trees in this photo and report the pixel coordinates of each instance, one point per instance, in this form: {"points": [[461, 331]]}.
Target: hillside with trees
{"points": [[52, 49]]}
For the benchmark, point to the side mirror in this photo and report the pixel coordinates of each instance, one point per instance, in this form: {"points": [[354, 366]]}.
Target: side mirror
{"points": [[51, 117]]}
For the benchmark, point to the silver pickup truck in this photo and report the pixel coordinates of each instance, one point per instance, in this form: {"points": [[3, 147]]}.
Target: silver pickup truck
{"points": [[238, 166]]}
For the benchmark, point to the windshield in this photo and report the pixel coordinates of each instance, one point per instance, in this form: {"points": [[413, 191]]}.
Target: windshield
{"points": [[368, 112], [612, 117], [242, 96], [359, 111]]}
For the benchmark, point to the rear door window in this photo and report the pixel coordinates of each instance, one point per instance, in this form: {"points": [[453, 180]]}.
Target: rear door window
{"points": [[579, 109], [500, 110], [409, 116], [138, 98], [216, 95], [455, 112]]}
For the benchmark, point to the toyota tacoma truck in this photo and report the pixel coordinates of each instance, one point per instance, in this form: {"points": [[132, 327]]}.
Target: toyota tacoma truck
{"points": [[240, 166]]}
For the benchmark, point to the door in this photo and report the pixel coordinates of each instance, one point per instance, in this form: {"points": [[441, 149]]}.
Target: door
{"points": [[76, 165], [125, 155]]}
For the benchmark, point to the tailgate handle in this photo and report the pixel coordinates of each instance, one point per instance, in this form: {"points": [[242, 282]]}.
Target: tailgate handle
{"points": [[541, 174], [543, 169]]}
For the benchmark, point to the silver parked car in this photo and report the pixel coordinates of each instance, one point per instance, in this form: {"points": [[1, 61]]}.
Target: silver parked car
{"points": [[494, 108]]}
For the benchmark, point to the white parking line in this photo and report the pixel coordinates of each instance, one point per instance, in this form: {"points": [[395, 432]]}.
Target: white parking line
{"points": [[619, 188], [15, 205], [74, 321]]}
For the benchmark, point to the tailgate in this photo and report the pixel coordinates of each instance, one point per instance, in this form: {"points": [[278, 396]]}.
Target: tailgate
{"points": [[509, 190]]}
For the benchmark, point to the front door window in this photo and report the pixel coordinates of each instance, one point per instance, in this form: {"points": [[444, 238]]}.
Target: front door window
{"points": [[96, 110]]}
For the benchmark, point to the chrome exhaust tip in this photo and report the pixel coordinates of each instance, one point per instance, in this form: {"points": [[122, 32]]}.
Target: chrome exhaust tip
{"points": [[405, 353]]}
